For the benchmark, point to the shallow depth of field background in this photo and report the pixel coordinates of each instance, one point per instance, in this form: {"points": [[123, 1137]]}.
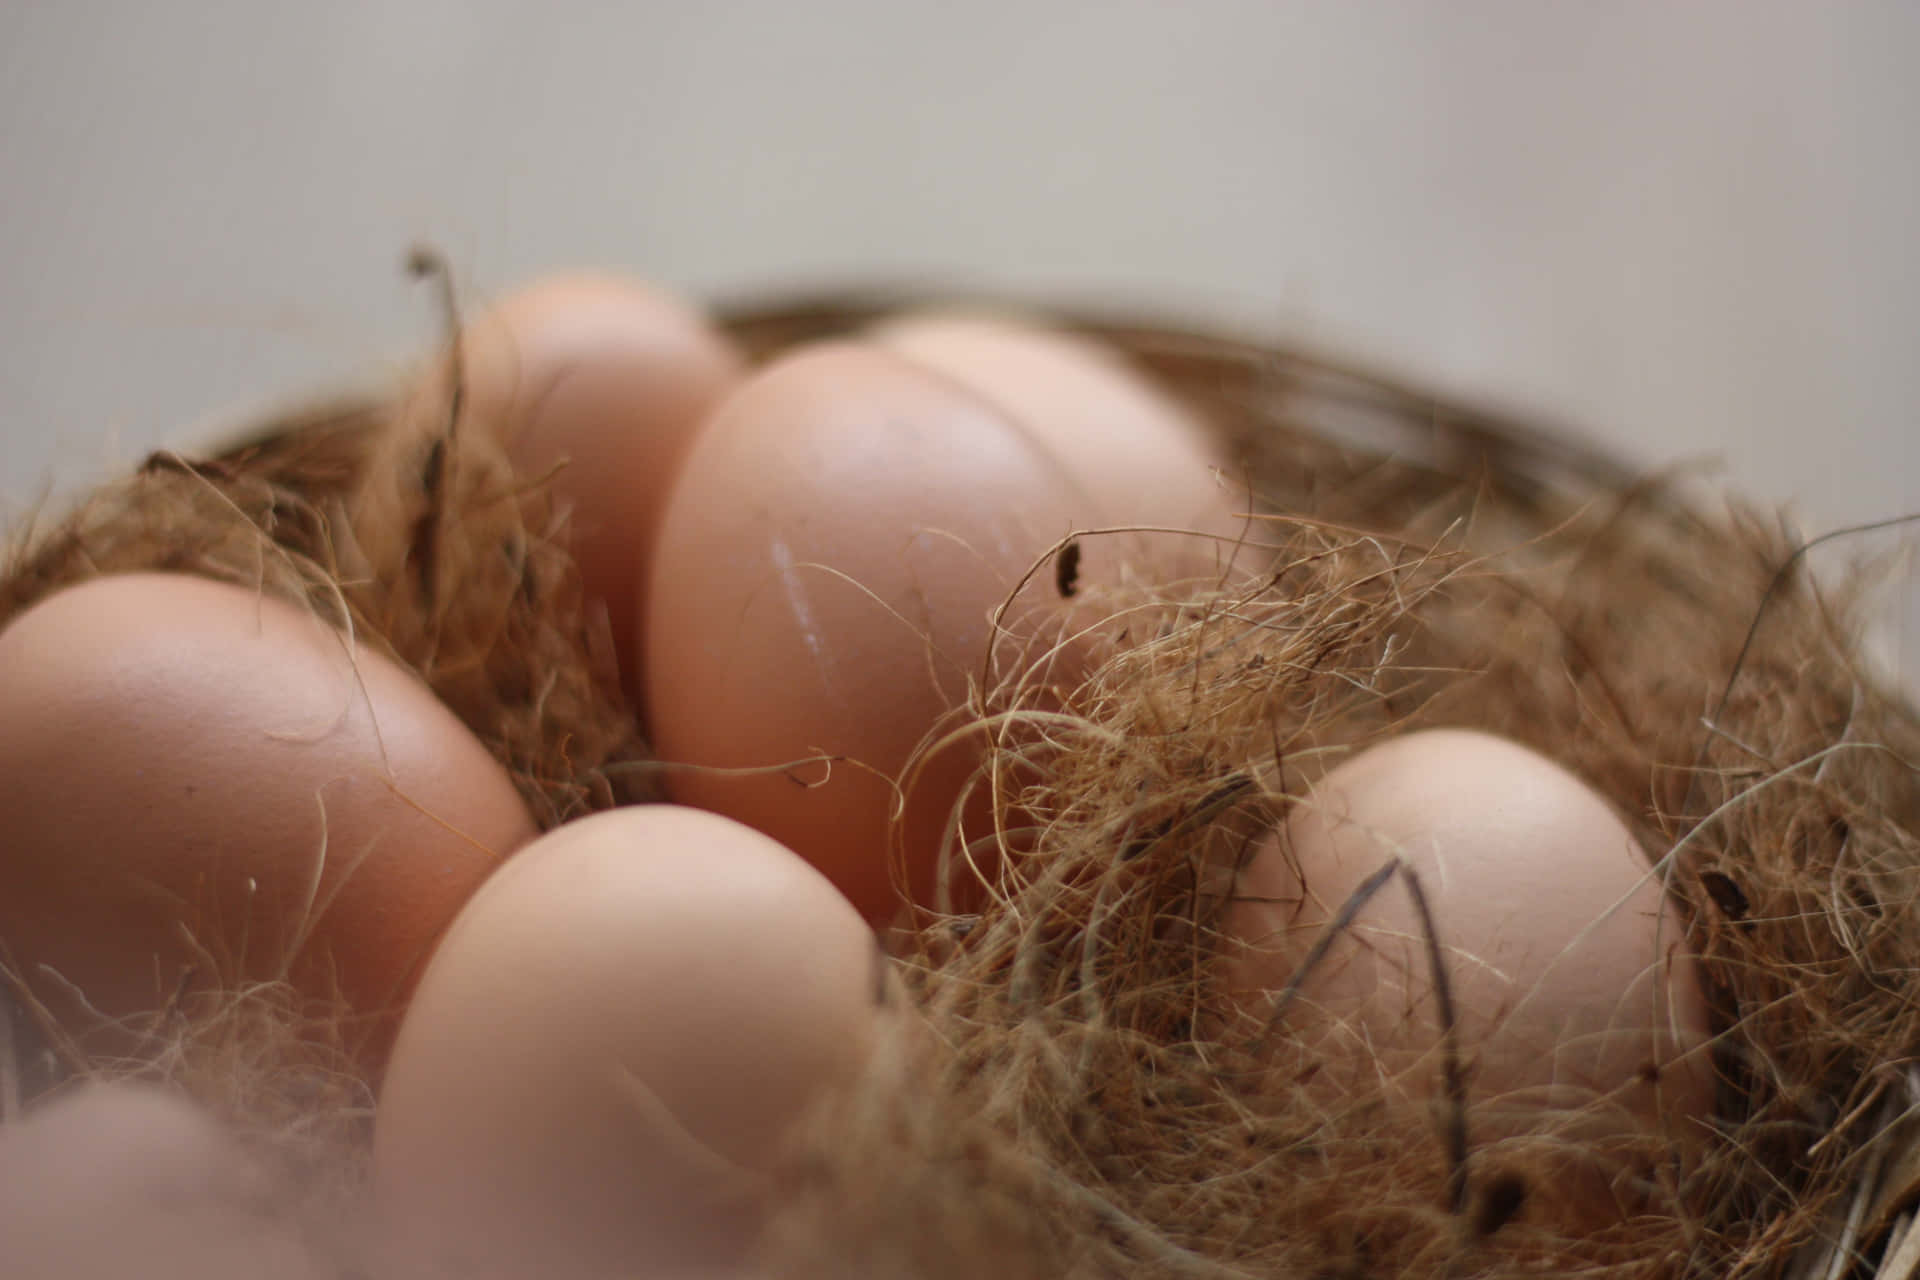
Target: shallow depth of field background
{"points": [[1692, 228]]}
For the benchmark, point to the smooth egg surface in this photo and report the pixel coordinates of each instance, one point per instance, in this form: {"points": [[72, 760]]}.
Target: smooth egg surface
{"points": [[1142, 456], [828, 573], [1574, 985], [106, 1181], [204, 787], [609, 1048], [599, 383]]}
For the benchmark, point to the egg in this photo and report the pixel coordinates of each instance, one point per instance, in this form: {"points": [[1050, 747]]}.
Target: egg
{"points": [[823, 599], [1577, 997], [203, 787], [1141, 455], [112, 1180], [598, 382], [608, 1050]]}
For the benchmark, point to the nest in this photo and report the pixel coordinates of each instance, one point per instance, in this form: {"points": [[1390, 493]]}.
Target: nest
{"points": [[1408, 563]]}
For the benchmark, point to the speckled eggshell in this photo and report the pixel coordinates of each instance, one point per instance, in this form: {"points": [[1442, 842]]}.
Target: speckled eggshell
{"points": [[598, 382], [202, 787], [609, 1049], [828, 570], [1575, 987]]}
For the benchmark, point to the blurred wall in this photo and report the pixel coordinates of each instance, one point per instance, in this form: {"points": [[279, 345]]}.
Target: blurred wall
{"points": [[1688, 226]]}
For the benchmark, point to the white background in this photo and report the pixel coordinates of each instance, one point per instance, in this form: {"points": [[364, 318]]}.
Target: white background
{"points": [[1687, 227]]}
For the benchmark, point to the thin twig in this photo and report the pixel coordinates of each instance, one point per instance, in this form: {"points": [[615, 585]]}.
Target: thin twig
{"points": [[1453, 1078], [1779, 580], [1341, 922], [1903, 1256], [436, 478]]}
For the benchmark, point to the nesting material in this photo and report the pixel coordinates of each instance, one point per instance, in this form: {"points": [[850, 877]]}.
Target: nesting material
{"points": [[1067, 1104], [405, 523], [1084, 995]]}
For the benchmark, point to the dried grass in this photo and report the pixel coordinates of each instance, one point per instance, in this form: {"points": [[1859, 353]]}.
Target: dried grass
{"points": [[1065, 1105]]}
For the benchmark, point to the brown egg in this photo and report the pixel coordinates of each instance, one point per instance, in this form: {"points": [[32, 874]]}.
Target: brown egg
{"points": [[1578, 1002], [611, 1045], [600, 382], [109, 1181], [1142, 456], [827, 574], [203, 787]]}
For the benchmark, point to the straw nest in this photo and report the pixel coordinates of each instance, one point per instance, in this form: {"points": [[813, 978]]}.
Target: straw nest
{"points": [[1062, 1108]]}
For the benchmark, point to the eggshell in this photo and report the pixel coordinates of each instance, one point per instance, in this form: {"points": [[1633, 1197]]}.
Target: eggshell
{"points": [[202, 787], [599, 382], [1140, 454], [1574, 985], [607, 1051], [109, 1181], [827, 574]]}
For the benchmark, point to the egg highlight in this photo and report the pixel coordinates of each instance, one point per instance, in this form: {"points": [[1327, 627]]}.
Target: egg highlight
{"points": [[1576, 996], [608, 1050], [596, 383], [829, 572], [1142, 457], [204, 787]]}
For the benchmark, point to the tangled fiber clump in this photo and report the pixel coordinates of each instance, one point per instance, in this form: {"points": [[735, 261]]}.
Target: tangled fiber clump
{"points": [[1062, 1100]]}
